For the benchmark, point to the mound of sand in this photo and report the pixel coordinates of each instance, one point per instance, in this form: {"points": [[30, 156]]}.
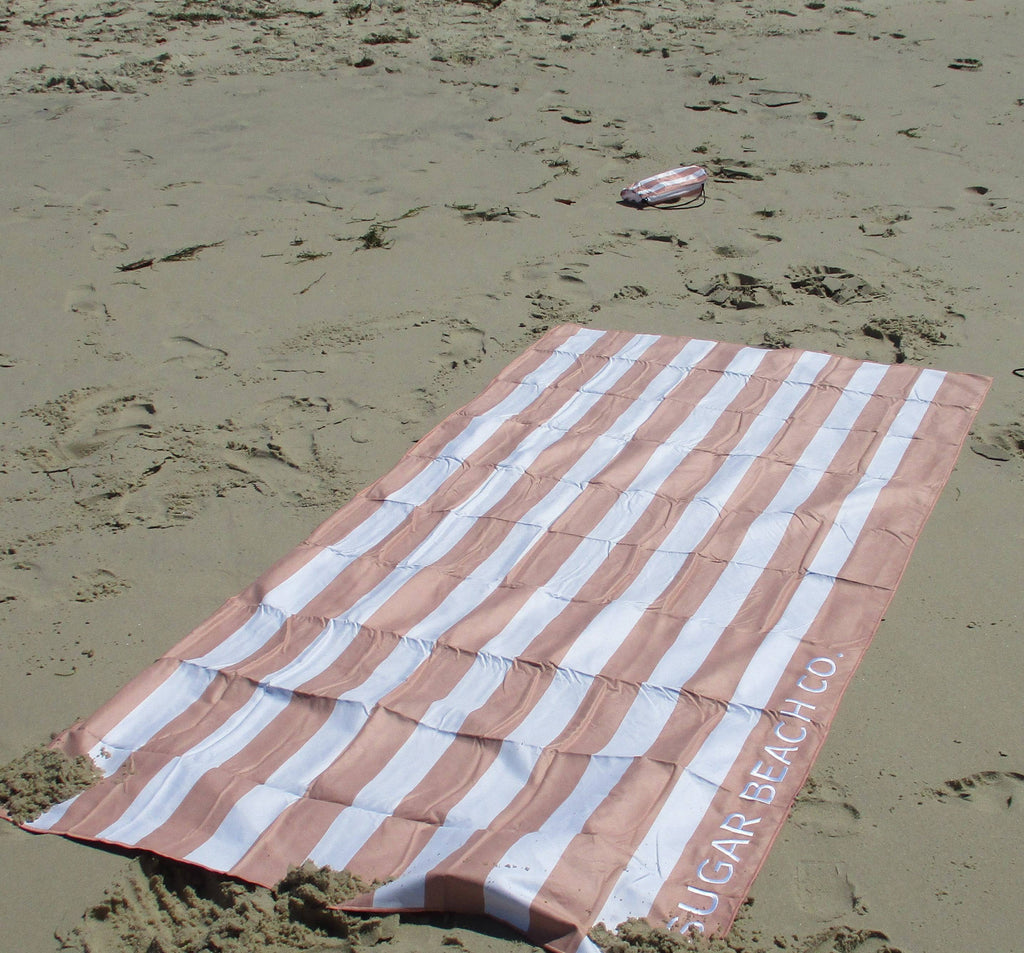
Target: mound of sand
{"points": [[638, 936], [41, 778], [166, 907]]}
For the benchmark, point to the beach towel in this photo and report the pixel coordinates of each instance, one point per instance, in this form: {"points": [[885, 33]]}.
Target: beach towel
{"points": [[569, 662]]}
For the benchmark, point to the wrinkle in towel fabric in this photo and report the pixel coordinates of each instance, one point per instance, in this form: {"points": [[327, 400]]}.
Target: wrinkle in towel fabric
{"points": [[570, 661]]}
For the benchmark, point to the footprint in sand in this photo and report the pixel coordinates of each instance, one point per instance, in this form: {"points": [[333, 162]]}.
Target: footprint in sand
{"points": [[734, 251], [998, 442], [909, 336], [825, 890], [847, 940], [776, 98], [574, 272], [630, 293], [736, 290], [107, 243], [97, 584], [463, 345], [992, 792], [89, 420], [547, 310], [26, 580], [283, 446], [554, 294], [38, 584], [109, 422], [579, 117], [194, 354], [828, 281], [529, 272], [547, 307], [123, 467], [822, 808], [83, 299]]}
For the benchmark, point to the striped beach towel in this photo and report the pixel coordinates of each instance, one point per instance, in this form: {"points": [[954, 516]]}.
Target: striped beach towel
{"points": [[569, 662]]}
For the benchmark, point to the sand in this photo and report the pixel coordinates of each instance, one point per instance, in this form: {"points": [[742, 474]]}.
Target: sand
{"points": [[40, 778], [251, 252]]}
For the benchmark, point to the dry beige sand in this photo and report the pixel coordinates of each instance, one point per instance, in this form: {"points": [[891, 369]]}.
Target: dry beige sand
{"points": [[250, 251]]}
